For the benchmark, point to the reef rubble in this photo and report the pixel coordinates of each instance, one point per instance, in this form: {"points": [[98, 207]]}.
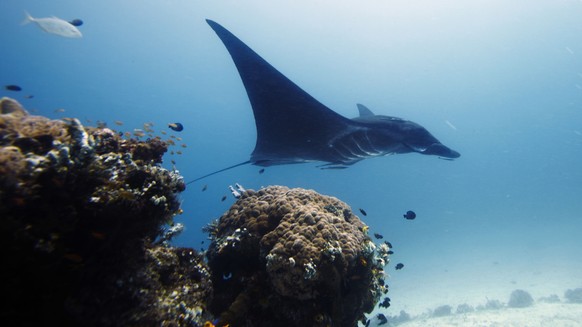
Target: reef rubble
{"points": [[293, 257], [81, 209]]}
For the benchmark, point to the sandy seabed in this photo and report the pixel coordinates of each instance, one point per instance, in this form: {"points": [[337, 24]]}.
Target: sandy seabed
{"points": [[540, 314]]}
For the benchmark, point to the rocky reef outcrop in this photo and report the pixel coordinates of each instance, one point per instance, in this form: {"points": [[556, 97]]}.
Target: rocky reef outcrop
{"points": [[83, 212], [293, 257]]}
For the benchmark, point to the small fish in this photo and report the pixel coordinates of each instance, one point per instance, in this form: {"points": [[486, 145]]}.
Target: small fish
{"points": [[184, 145], [54, 25], [118, 123], [223, 198], [173, 162], [148, 127], [178, 139], [399, 266], [14, 88], [410, 215], [178, 152], [378, 236], [385, 303], [363, 212], [30, 96], [76, 22], [176, 127], [101, 124], [60, 110], [138, 132], [164, 133], [388, 243], [205, 187], [390, 252], [382, 319], [262, 170]]}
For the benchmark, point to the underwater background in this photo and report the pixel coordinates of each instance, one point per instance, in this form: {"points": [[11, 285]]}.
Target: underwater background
{"points": [[498, 81]]}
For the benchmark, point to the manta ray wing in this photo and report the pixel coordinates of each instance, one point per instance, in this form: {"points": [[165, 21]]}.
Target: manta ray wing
{"points": [[292, 126]]}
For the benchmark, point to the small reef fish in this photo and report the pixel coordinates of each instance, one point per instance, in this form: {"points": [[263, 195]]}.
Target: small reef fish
{"points": [[399, 266], [363, 212], [76, 22], [223, 198], [138, 132], [176, 127], [118, 123], [14, 88], [54, 25], [385, 303], [410, 215], [60, 110], [30, 96], [262, 170], [205, 187], [378, 236], [381, 319], [388, 243]]}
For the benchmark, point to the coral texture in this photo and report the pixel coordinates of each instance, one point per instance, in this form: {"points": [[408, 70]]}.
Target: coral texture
{"points": [[81, 209], [293, 257]]}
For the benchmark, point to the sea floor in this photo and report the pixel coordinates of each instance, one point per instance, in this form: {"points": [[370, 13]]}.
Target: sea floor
{"points": [[485, 285]]}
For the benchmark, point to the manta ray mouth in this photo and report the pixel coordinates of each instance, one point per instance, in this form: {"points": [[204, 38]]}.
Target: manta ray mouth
{"points": [[442, 151]]}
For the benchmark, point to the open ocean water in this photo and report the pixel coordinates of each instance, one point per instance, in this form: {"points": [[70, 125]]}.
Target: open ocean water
{"points": [[498, 81]]}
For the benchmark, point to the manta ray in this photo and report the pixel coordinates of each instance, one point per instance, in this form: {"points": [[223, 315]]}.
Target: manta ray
{"points": [[293, 127]]}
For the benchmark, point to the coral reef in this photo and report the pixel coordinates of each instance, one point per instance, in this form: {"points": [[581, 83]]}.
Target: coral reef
{"points": [[443, 310], [573, 295], [293, 257], [520, 299], [82, 214], [464, 308]]}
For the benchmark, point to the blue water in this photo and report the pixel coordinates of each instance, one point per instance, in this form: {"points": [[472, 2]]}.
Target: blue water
{"points": [[505, 75]]}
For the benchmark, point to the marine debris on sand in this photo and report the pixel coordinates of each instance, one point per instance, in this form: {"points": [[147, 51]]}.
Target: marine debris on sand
{"points": [[80, 212], [293, 257]]}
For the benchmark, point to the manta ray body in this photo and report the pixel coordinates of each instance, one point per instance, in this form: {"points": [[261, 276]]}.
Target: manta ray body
{"points": [[293, 127]]}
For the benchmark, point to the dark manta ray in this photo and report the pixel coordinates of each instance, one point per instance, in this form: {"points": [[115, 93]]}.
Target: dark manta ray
{"points": [[293, 127]]}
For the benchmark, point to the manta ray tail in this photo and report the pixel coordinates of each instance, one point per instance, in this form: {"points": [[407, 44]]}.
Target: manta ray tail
{"points": [[219, 171]]}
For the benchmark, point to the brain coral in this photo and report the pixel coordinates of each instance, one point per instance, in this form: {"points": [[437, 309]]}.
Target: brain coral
{"points": [[293, 257]]}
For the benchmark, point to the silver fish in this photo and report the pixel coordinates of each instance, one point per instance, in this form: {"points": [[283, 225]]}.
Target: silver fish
{"points": [[54, 25]]}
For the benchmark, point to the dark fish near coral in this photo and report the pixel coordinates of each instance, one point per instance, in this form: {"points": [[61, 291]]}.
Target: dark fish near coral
{"points": [[388, 243], [15, 88], [176, 127], [410, 215], [30, 96], [385, 303], [262, 170], [382, 319], [378, 236], [76, 22], [223, 198], [205, 187], [399, 266], [363, 212]]}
